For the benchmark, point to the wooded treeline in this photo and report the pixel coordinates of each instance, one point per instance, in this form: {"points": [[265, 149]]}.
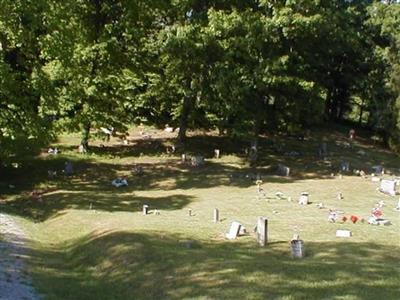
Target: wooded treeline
{"points": [[241, 66]]}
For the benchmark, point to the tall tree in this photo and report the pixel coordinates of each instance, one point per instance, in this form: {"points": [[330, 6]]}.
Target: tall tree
{"points": [[22, 82]]}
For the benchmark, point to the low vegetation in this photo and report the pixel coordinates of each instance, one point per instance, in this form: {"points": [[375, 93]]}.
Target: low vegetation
{"points": [[90, 240]]}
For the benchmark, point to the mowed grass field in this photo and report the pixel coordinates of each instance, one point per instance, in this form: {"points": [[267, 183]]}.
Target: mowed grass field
{"points": [[113, 251]]}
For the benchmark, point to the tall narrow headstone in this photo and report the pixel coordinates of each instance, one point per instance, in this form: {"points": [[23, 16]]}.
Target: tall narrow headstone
{"points": [[217, 153], [145, 209], [262, 231], [183, 158], [216, 215]]}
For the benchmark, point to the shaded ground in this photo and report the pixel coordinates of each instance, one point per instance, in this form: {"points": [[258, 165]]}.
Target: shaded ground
{"points": [[158, 266]]}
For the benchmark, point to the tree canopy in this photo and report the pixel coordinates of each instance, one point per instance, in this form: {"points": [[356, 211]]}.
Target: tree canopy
{"points": [[242, 67]]}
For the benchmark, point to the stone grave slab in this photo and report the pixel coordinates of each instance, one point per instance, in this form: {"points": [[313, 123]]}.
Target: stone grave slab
{"points": [[388, 187], [343, 233], [233, 231]]}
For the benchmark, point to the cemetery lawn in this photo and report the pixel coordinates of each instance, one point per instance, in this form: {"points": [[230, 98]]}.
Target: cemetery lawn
{"points": [[112, 251]]}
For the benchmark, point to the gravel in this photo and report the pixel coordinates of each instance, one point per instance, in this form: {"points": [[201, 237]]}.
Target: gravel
{"points": [[15, 284]]}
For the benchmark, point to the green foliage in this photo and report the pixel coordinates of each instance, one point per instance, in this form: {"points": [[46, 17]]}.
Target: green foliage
{"points": [[244, 67]]}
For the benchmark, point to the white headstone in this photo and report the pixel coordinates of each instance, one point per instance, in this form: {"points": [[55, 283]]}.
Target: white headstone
{"points": [[375, 179], [262, 231], [216, 215], [388, 187], [343, 233], [303, 200], [233, 231], [145, 209], [217, 153]]}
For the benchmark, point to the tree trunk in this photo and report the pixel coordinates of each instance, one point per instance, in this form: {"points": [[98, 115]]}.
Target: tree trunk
{"points": [[328, 104], [85, 135], [184, 118], [361, 112]]}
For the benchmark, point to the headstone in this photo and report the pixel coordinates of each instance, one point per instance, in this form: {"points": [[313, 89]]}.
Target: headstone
{"points": [[253, 154], [377, 169], [82, 149], [118, 182], [145, 209], [69, 169], [283, 170], [138, 170], [303, 200], [345, 166], [197, 160], [352, 134], [262, 231], [217, 153], [375, 179], [323, 150], [383, 222], [388, 187], [297, 247], [333, 215], [183, 158], [51, 174], [233, 231], [190, 212], [343, 233], [340, 196], [216, 215]]}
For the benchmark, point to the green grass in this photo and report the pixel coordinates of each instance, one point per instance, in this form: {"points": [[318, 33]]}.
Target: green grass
{"points": [[114, 252]]}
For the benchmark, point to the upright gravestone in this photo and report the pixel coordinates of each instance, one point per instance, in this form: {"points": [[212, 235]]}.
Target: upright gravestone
{"points": [[377, 170], [323, 150], [69, 169], [283, 170], [197, 160], [345, 166], [253, 154], [145, 209], [262, 231], [217, 153], [303, 200], [216, 215], [183, 158], [297, 246], [233, 231], [388, 187]]}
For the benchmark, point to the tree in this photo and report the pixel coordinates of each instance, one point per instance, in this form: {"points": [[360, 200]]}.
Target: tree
{"points": [[22, 82]]}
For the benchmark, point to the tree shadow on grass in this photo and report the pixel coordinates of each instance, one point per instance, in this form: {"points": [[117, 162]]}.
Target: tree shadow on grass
{"points": [[53, 204], [125, 265]]}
